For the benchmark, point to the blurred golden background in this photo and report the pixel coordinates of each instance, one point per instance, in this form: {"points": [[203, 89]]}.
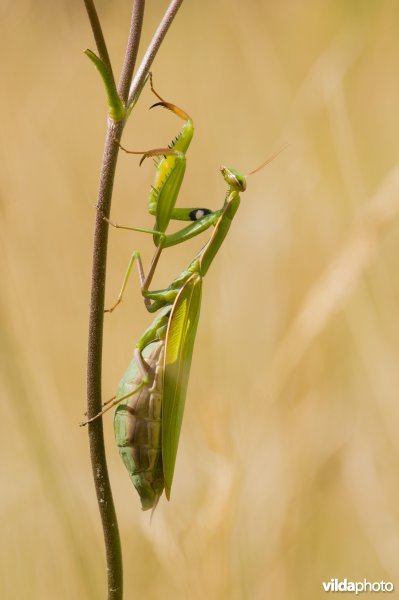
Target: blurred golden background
{"points": [[287, 471]]}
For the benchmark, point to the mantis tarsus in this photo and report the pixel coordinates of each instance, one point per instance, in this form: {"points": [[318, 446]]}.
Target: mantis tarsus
{"points": [[152, 392]]}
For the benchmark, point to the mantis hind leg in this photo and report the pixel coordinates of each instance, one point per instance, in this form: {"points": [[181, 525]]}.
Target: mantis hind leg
{"points": [[113, 402], [143, 368]]}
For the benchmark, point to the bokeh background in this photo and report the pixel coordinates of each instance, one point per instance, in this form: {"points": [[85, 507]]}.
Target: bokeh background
{"points": [[287, 472]]}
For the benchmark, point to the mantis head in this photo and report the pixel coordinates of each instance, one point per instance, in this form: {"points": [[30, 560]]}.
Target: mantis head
{"points": [[234, 179], [238, 182]]}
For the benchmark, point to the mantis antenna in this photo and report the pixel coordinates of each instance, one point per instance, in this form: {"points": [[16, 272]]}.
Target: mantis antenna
{"points": [[268, 160]]}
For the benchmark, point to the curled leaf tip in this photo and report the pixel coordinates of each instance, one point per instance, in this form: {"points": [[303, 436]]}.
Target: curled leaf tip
{"points": [[116, 107]]}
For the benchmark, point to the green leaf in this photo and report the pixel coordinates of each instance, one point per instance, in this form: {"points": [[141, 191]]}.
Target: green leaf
{"points": [[116, 108]]}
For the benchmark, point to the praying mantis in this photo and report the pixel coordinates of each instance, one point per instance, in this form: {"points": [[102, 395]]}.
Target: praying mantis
{"points": [[151, 395]]}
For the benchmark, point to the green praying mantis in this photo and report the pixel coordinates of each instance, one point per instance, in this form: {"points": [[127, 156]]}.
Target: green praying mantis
{"points": [[151, 395]]}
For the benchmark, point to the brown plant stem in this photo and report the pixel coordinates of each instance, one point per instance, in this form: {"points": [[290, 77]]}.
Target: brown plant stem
{"points": [[97, 32], [94, 364]]}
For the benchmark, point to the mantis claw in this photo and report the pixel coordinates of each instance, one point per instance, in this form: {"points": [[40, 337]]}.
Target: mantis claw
{"points": [[174, 109]]}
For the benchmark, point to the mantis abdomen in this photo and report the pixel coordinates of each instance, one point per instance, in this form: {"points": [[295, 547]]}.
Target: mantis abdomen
{"points": [[137, 424]]}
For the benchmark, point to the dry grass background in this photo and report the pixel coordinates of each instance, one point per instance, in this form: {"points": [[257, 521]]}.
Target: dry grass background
{"points": [[287, 473]]}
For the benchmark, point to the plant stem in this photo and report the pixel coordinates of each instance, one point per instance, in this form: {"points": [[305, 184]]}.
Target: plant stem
{"points": [[97, 32], [131, 50], [153, 48], [94, 365]]}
